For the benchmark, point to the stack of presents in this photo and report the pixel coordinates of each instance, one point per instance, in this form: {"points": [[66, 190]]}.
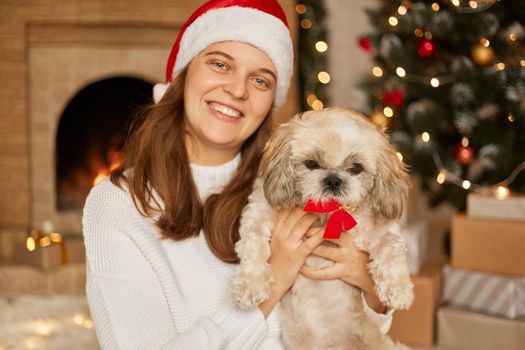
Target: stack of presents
{"points": [[477, 299]]}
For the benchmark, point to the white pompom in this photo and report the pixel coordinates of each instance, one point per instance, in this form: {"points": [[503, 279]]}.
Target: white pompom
{"points": [[158, 91]]}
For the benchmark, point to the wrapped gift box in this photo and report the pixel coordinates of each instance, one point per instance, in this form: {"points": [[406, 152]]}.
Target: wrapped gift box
{"points": [[488, 245], [416, 325], [416, 238], [493, 294], [467, 330], [490, 207]]}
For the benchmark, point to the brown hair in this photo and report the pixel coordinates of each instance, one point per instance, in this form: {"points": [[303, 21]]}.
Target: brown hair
{"points": [[157, 158]]}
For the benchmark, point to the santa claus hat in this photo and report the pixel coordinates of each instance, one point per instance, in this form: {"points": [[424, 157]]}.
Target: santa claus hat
{"points": [[261, 23]]}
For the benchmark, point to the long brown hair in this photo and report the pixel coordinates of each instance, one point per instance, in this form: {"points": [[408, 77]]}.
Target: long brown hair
{"points": [[158, 164]]}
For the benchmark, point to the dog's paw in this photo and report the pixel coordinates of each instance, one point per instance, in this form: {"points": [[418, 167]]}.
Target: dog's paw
{"points": [[398, 296], [249, 290]]}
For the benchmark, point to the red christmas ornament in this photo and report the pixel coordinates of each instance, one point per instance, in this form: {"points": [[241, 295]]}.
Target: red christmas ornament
{"points": [[365, 44], [394, 98], [339, 220], [426, 48], [464, 155]]}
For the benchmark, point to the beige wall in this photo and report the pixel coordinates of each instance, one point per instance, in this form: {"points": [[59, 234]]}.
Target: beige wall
{"points": [[347, 22]]}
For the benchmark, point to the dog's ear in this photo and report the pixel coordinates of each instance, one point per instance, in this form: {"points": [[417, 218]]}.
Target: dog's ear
{"points": [[390, 192], [276, 167]]}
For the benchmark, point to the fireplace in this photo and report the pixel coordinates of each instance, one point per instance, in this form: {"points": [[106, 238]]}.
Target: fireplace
{"points": [[91, 135]]}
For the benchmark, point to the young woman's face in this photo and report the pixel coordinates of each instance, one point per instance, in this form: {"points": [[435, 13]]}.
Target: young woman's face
{"points": [[228, 92]]}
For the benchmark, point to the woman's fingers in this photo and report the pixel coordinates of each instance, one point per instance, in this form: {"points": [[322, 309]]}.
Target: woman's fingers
{"points": [[328, 252], [309, 244], [296, 220], [327, 273]]}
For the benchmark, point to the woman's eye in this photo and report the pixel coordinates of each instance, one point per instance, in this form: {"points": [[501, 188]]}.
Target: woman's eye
{"points": [[355, 169], [219, 66], [261, 82], [311, 164]]}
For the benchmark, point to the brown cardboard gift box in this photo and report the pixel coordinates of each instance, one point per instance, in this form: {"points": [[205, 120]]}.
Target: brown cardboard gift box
{"points": [[465, 330], [488, 245], [416, 325]]}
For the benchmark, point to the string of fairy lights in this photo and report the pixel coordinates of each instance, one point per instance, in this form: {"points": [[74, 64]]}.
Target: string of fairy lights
{"points": [[314, 54], [483, 55]]}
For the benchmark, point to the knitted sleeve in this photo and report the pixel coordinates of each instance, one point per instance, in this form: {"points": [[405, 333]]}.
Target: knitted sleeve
{"points": [[127, 299], [383, 321]]}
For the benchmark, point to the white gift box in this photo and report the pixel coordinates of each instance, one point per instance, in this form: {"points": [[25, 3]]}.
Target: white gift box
{"points": [[491, 207], [416, 238], [496, 295]]}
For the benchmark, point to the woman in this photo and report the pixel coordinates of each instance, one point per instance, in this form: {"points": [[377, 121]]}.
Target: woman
{"points": [[160, 235]]}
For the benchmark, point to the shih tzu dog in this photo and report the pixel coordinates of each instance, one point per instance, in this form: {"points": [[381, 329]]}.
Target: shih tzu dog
{"points": [[333, 155]]}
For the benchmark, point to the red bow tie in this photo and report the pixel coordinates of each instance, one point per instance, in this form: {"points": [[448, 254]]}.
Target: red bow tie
{"points": [[339, 220]]}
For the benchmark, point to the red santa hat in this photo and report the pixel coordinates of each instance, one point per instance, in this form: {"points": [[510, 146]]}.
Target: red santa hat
{"points": [[261, 23]]}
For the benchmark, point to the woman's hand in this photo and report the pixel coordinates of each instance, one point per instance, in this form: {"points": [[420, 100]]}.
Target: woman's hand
{"points": [[290, 247], [350, 265]]}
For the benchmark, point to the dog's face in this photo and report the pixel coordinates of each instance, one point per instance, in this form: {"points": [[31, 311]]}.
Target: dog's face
{"points": [[334, 153]]}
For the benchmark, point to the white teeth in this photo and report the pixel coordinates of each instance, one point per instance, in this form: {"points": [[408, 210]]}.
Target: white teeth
{"points": [[225, 110]]}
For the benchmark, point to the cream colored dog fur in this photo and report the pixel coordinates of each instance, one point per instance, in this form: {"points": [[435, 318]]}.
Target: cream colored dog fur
{"points": [[328, 314]]}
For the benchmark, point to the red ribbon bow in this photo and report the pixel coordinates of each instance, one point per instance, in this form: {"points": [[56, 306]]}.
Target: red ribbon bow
{"points": [[337, 222]]}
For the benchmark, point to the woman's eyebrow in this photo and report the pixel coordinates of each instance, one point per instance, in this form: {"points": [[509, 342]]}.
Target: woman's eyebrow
{"points": [[265, 70], [219, 53]]}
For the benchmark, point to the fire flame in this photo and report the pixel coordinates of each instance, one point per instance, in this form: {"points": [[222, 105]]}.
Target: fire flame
{"points": [[116, 159]]}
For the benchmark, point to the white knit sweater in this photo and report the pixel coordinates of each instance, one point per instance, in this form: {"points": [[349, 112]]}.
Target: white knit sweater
{"points": [[147, 293]]}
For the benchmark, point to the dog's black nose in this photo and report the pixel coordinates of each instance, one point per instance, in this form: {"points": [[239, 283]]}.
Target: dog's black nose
{"points": [[333, 182]]}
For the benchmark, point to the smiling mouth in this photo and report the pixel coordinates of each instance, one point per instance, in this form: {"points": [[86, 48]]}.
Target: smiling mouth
{"points": [[227, 111]]}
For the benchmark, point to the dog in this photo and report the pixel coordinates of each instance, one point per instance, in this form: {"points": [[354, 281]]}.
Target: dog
{"points": [[321, 156]]}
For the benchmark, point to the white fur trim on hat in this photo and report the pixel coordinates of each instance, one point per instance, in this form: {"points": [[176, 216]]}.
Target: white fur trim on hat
{"points": [[158, 91], [243, 24]]}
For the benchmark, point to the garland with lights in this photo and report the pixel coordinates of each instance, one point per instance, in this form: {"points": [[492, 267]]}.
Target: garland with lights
{"points": [[313, 51], [449, 82]]}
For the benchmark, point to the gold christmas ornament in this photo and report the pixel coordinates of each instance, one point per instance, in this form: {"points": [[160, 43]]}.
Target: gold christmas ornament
{"points": [[481, 55], [378, 118]]}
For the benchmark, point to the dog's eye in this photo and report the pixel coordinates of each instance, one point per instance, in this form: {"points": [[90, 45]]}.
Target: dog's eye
{"points": [[311, 164], [355, 169]]}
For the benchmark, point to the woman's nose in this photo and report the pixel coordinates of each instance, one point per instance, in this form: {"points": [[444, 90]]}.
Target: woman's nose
{"points": [[237, 87]]}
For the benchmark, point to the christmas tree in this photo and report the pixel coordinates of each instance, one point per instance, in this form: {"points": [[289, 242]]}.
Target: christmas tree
{"points": [[449, 83]]}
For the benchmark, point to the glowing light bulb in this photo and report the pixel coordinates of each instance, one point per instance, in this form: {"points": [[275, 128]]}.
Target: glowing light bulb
{"points": [[300, 9], [44, 242], [393, 21], [30, 244], [400, 72], [500, 66], [377, 71], [465, 142], [425, 137], [435, 7], [311, 99], [402, 10], [78, 319], [442, 176], [473, 4], [485, 42], [466, 184], [399, 156], [455, 3], [434, 82], [321, 46], [317, 105], [323, 77], [502, 192], [388, 112], [306, 24]]}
